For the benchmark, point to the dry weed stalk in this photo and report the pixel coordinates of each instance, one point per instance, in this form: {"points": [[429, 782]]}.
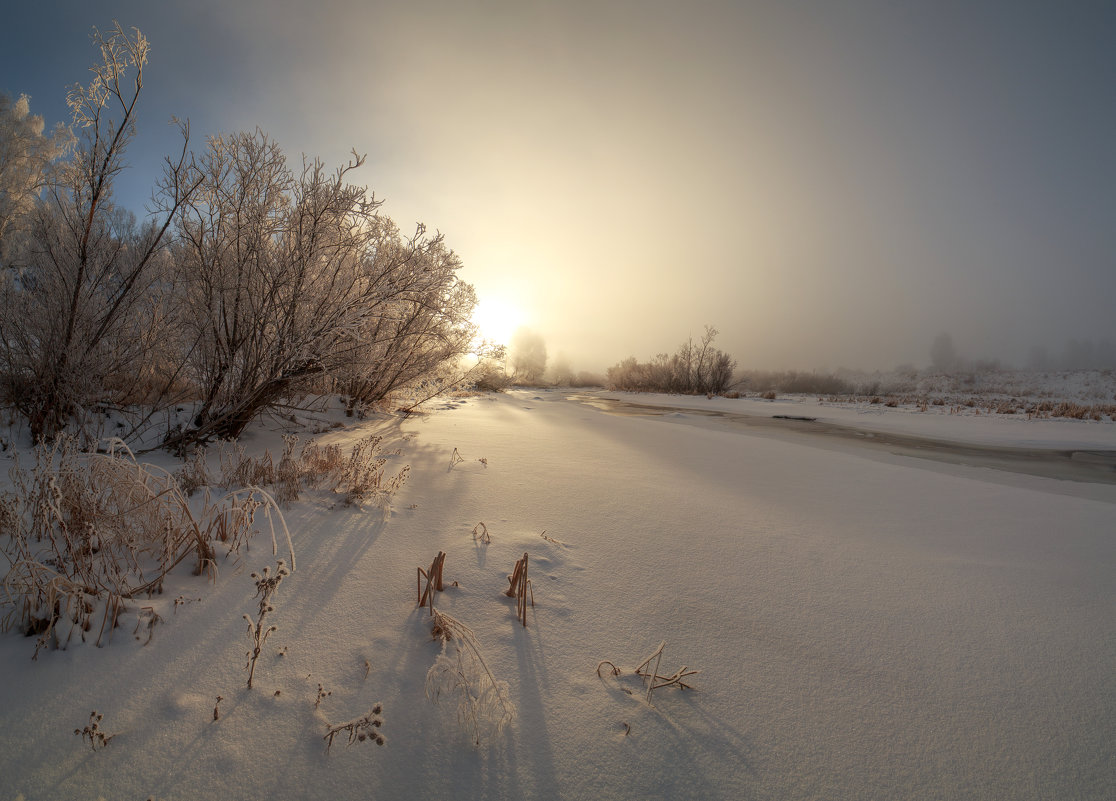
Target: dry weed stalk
{"points": [[483, 707], [359, 729], [93, 732], [518, 589], [456, 458], [266, 584], [433, 578], [480, 533]]}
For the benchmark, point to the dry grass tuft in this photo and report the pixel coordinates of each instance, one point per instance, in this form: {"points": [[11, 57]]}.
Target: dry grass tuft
{"points": [[359, 476], [84, 533]]}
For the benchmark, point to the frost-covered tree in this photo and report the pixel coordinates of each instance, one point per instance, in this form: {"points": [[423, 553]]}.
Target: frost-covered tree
{"points": [[76, 319], [943, 354], [291, 278], [527, 355], [419, 332], [25, 158]]}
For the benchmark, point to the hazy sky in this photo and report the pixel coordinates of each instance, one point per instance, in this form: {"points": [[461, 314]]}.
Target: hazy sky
{"points": [[830, 183]]}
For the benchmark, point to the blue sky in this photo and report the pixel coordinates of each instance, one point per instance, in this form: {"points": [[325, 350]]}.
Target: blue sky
{"points": [[829, 183]]}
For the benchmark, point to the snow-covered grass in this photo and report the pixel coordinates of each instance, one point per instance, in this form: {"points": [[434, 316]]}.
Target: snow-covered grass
{"points": [[865, 625], [1075, 394]]}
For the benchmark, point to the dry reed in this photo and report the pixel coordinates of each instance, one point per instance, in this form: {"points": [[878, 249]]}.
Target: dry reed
{"points": [[520, 585]]}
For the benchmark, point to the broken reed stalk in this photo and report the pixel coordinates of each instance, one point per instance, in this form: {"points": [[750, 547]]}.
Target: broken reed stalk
{"points": [[456, 458], [519, 584], [480, 533], [658, 657], [654, 680], [433, 578]]}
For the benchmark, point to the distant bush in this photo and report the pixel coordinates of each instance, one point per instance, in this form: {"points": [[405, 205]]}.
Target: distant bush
{"points": [[696, 369], [796, 383]]}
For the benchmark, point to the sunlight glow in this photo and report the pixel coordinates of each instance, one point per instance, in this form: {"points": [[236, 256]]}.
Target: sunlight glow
{"points": [[497, 319]]}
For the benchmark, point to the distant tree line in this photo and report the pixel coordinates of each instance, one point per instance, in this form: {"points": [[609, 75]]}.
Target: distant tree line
{"points": [[696, 368], [251, 284], [1075, 355]]}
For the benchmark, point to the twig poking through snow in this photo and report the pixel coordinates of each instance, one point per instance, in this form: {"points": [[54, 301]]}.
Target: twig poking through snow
{"points": [[520, 584], [433, 578], [93, 733], [266, 584], [359, 729], [651, 676]]}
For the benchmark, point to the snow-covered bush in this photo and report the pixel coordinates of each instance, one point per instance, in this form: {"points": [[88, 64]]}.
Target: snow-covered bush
{"points": [[25, 159]]}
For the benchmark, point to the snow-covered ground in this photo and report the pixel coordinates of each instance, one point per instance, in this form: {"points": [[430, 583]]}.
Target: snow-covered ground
{"points": [[935, 422], [867, 625]]}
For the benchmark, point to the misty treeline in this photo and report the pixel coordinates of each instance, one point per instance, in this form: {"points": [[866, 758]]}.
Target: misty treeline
{"points": [[696, 368], [251, 284], [1074, 355]]}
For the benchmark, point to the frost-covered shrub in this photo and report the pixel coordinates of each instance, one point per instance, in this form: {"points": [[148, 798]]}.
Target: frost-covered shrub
{"points": [[696, 369], [83, 533], [483, 706]]}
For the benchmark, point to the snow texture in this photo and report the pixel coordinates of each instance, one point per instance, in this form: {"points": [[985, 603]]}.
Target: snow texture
{"points": [[867, 624]]}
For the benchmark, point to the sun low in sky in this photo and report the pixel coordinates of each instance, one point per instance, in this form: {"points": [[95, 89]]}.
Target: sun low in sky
{"points": [[497, 319], [829, 184]]}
